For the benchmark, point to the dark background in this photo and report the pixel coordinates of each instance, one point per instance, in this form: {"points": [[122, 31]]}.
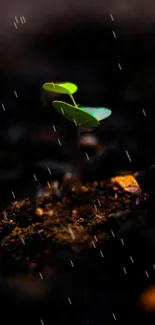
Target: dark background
{"points": [[74, 41]]}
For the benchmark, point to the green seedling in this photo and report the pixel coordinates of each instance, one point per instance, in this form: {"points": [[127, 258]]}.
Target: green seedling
{"points": [[81, 116]]}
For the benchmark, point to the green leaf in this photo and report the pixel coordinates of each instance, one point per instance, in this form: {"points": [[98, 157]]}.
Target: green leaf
{"points": [[100, 113], [72, 88], [60, 88], [76, 115]]}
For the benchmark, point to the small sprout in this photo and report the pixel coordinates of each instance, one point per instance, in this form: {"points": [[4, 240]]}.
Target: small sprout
{"points": [[86, 116], [80, 116]]}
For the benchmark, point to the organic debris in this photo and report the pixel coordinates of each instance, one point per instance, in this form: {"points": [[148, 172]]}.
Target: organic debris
{"points": [[67, 220]]}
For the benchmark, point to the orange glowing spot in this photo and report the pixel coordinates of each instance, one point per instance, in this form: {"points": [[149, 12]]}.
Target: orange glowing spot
{"points": [[50, 213], [39, 212], [84, 189], [148, 299]]}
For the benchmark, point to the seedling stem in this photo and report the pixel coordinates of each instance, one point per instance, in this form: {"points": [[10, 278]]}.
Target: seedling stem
{"points": [[74, 102]]}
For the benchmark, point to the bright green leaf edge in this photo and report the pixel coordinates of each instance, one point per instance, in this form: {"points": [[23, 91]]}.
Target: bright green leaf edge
{"points": [[60, 88], [77, 115], [101, 113]]}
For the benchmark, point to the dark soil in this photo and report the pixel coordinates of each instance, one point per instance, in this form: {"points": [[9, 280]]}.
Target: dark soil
{"points": [[89, 246], [64, 222]]}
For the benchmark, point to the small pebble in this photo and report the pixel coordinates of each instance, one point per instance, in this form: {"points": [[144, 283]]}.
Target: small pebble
{"points": [[84, 189], [74, 213], [89, 140], [39, 212], [50, 213]]}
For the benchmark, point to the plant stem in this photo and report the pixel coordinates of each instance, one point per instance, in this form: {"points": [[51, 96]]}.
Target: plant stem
{"points": [[78, 153], [73, 100], [75, 157]]}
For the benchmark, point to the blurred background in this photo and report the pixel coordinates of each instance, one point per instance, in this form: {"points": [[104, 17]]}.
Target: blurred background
{"points": [[107, 49]]}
